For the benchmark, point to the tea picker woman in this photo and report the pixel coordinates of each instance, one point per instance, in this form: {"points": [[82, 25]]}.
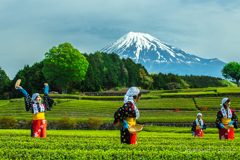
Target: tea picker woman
{"points": [[127, 115], [39, 124], [198, 126], [226, 120]]}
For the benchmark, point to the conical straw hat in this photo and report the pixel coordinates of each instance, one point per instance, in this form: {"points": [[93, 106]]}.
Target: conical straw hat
{"points": [[17, 83], [228, 126], [135, 128]]}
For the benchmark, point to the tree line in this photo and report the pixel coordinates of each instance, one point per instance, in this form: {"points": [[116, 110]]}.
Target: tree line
{"points": [[67, 70]]}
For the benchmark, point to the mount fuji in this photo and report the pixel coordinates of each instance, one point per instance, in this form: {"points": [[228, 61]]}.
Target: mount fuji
{"points": [[157, 56]]}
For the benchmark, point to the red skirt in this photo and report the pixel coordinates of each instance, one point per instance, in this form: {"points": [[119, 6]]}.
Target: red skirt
{"points": [[39, 128], [199, 133], [133, 138], [127, 137], [226, 133]]}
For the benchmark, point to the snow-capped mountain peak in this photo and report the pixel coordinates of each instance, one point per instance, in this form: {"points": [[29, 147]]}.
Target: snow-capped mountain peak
{"points": [[151, 52], [136, 44]]}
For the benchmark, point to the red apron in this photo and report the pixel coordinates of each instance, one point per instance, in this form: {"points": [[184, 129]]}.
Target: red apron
{"points": [[199, 133], [226, 133], [133, 138], [39, 128]]}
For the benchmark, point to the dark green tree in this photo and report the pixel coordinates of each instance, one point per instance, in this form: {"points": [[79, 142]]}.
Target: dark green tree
{"points": [[64, 65], [133, 72], [92, 77], [231, 70], [4, 80]]}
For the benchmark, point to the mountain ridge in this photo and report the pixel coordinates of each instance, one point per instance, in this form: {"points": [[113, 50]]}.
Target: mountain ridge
{"points": [[158, 56]]}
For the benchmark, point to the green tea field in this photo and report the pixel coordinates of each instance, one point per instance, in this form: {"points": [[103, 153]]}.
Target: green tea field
{"points": [[154, 142], [160, 143]]}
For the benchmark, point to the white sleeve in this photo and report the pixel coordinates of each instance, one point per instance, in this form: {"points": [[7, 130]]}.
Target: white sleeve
{"points": [[136, 110]]}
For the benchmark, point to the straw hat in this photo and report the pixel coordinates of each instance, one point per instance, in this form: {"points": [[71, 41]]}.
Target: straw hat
{"points": [[228, 126], [17, 83], [135, 128]]}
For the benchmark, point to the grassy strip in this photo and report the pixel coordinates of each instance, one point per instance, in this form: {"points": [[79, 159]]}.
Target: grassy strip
{"points": [[64, 96], [16, 99], [197, 92], [152, 110], [192, 90], [157, 93], [145, 116], [114, 97], [56, 100], [167, 104], [143, 120], [214, 102], [4, 102], [62, 100], [83, 109], [176, 117], [160, 92], [228, 91], [163, 129], [189, 95], [104, 109], [78, 97]]}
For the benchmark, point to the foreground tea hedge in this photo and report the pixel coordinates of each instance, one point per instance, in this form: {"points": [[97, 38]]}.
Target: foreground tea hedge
{"points": [[17, 144]]}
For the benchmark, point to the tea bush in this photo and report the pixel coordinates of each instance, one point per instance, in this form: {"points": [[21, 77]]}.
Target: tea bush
{"points": [[66, 123], [7, 123], [94, 123]]}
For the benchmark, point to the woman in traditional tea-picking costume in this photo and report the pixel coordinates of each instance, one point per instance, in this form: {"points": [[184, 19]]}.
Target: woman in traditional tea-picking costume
{"points": [[127, 115], [198, 126], [39, 124], [226, 117]]}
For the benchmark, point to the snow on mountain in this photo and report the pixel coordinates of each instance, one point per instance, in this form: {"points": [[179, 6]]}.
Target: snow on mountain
{"points": [[158, 56]]}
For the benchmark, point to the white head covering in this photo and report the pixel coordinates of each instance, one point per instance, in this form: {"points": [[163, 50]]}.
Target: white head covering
{"points": [[35, 106], [199, 114], [133, 91], [34, 96], [201, 121], [228, 113], [223, 101]]}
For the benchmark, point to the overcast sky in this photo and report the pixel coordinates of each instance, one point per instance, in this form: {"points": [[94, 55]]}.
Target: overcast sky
{"points": [[29, 28]]}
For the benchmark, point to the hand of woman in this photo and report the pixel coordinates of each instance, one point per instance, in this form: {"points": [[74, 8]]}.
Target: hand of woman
{"points": [[231, 122], [18, 87], [125, 125], [221, 125]]}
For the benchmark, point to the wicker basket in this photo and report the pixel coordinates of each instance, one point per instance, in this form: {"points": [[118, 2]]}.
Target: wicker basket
{"points": [[135, 128], [228, 126]]}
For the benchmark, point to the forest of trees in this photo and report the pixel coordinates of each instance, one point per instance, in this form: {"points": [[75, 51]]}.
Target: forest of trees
{"points": [[202, 81], [105, 71], [4, 80]]}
